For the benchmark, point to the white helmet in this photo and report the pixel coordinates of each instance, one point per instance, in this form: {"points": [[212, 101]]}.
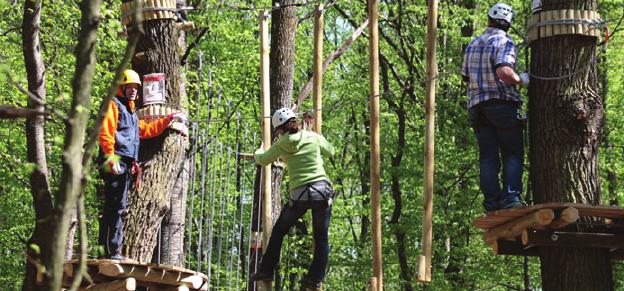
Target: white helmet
{"points": [[282, 115], [501, 11]]}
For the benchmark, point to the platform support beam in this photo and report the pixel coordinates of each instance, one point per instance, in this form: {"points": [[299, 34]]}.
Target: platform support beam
{"points": [[514, 228]]}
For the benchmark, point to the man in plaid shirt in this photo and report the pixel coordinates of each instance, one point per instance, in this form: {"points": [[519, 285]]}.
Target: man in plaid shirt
{"points": [[493, 105]]}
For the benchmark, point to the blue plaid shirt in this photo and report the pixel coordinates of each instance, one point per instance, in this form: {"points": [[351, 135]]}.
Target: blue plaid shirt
{"points": [[484, 54]]}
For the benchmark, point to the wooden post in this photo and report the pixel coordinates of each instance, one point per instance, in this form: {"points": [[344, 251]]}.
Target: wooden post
{"points": [[372, 284], [375, 159], [266, 125], [318, 68], [424, 272], [267, 221]]}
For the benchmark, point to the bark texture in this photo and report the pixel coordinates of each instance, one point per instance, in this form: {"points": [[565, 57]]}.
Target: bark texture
{"points": [[57, 224], [172, 229], [162, 157], [566, 119], [39, 180]]}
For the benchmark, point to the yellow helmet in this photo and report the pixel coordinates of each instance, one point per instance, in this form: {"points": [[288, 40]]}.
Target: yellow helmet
{"points": [[130, 77]]}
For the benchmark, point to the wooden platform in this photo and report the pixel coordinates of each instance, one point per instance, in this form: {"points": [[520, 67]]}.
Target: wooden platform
{"points": [[129, 274], [495, 218], [522, 231]]}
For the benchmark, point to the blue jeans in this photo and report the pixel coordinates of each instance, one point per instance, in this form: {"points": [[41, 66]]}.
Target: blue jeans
{"points": [[321, 215], [115, 203], [498, 128]]}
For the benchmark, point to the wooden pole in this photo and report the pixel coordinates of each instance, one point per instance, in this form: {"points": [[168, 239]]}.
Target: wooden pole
{"points": [[375, 159], [317, 78], [267, 221], [424, 272], [266, 126]]}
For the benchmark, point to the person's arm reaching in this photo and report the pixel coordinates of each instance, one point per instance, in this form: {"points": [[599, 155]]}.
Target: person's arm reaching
{"points": [[154, 128], [507, 75], [327, 149], [505, 62], [265, 158]]}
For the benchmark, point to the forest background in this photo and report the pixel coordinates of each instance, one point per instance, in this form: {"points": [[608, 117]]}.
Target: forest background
{"points": [[230, 71]]}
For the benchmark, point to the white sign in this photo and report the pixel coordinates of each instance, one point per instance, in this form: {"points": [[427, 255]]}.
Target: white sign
{"points": [[154, 88], [536, 6]]}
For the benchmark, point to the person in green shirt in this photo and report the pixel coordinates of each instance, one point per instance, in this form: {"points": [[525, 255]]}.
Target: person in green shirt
{"points": [[301, 151]]}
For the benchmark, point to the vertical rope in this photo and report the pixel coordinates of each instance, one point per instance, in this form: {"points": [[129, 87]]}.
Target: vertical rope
{"points": [[201, 213]]}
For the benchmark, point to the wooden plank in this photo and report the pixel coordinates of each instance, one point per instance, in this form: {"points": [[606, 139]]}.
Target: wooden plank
{"points": [[513, 248], [494, 218], [514, 228], [572, 239], [127, 284], [151, 274]]}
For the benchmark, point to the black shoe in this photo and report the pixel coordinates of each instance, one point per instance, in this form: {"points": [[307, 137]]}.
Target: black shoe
{"points": [[261, 276], [307, 285]]}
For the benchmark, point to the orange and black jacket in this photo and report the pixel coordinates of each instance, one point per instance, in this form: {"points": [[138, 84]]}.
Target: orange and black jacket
{"points": [[122, 129]]}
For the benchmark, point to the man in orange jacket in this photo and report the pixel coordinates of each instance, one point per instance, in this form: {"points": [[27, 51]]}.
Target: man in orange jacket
{"points": [[119, 149]]}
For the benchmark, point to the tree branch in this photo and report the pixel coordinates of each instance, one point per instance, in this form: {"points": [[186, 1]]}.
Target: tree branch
{"points": [[303, 94], [14, 112]]}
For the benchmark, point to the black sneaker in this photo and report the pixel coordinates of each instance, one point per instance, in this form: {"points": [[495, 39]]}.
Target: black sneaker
{"points": [[261, 276]]}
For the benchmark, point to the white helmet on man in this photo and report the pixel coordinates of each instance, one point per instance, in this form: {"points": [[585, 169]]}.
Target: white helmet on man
{"points": [[282, 115], [501, 11]]}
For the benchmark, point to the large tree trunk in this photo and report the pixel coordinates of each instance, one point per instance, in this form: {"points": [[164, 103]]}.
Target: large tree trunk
{"points": [[162, 157], [39, 181], [566, 121], [172, 229], [281, 75]]}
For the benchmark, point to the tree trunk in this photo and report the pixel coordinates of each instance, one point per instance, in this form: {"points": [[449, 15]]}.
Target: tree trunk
{"points": [[162, 157], [395, 173], [57, 224], [172, 229], [566, 121], [281, 76], [39, 181]]}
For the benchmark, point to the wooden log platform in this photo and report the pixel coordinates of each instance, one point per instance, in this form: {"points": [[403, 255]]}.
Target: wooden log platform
{"points": [[539, 226], [130, 274], [498, 217]]}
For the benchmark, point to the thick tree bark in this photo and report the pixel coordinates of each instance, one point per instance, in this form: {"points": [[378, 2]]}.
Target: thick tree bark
{"points": [[162, 157], [39, 180], [566, 119], [57, 224], [281, 75], [172, 229]]}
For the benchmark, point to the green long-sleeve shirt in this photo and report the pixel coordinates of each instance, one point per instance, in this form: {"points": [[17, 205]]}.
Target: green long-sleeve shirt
{"points": [[301, 152]]}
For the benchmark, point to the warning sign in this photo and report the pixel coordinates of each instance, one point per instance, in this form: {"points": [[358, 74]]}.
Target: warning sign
{"points": [[154, 88]]}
